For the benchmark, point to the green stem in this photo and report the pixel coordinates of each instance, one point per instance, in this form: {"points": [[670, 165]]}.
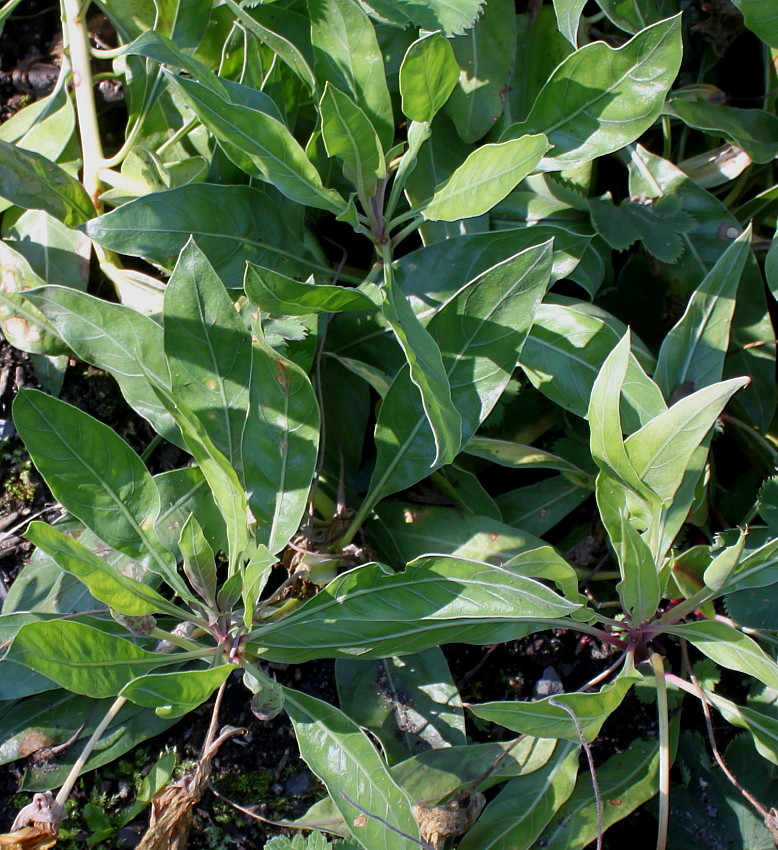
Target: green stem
{"points": [[177, 640], [72, 777], [664, 750], [182, 131], [88, 129]]}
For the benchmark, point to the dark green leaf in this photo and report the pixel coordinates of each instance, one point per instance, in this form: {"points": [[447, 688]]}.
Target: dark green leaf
{"points": [[341, 755], [410, 704], [232, 224], [31, 181], [82, 659], [600, 99]]}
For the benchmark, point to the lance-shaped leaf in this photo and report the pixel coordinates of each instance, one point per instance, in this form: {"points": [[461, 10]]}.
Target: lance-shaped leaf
{"points": [[543, 719], [761, 17], [518, 456], [32, 182], [176, 694], [347, 54], [523, 808], [600, 99], [662, 449], [568, 16], [227, 490], [491, 313], [409, 704], [366, 613], [199, 562], [345, 760], [485, 178], [428, 75], [105, 582], [208, 350], [426, 371], [96, 476], [116, 339], [263, 24], [83, 659], [607, 441], [280, 295], [695, 348], [231, 224], [349, 135], [730, 648], [762, 726], [452, 17], [625, 782], [280, 444], [267, 148], [565, 351], [639, 586], [486, 56]]}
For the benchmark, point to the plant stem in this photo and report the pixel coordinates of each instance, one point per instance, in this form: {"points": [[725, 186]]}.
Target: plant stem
{"points": [[664, 750], [88, 129], [72, 777]]}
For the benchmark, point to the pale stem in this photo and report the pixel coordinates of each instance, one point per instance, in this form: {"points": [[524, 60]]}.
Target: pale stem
{"points": [[88, 129], [72, 777], [664, 750]]}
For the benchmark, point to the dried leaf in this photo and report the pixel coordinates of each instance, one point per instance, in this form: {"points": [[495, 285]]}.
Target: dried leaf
{"points": [[29, 838]]}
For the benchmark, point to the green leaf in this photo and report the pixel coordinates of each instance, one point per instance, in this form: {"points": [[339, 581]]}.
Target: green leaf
{"points": [[543, 719], [208, 350], [600, 99], [231, 224], [176, 694], [518, 814], [517, 456], [404, 531], [82, 659], [31, 181], [493, 312], [625, 782], [199, 563], [653, 176], [762, 726], [730, 648], [409, 704], [106, 583], [639, 587], [634, 15], [264, 24], [693, 352], [606, 441], [753, 130], [349, 135], [538, 507], [114, 338], [426, 371], [96, 476], [565, 351], [568, 16], [662, 449], [280, 444], [280, 295], [485, 56], [367, 614], [452, 17], [268, 150], [428, 75], [222, 479], [485, 178], [760, 17], [347, 54], [22, 324], [341, 755]]}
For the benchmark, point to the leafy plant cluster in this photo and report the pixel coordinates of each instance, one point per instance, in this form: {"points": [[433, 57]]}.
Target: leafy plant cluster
{"points": [[389, 254]]}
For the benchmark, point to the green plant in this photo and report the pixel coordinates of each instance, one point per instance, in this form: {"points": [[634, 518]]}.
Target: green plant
{"points": [[258, 135]]}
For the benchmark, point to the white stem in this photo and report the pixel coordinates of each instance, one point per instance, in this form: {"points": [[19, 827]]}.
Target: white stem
{"points": [[664, 750], [80, 61], [67, 787]]}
